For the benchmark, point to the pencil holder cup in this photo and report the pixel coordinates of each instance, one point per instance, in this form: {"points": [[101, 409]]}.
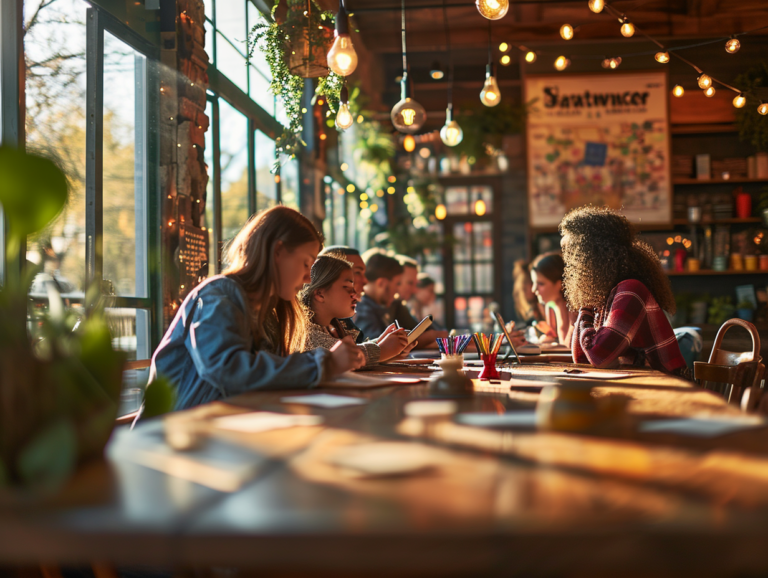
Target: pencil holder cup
{"points": [[452, 382], [489, 367], [457, 357]]}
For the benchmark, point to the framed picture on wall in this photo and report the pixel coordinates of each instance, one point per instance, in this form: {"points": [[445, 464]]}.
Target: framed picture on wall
{"points": [[600, 139]]}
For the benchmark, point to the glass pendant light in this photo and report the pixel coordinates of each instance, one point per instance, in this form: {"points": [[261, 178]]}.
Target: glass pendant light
{"points": [[561, 63], [566, 32], [492, 9], [763, 108], [678, 91], [739, 101], [344, 118], [451, 133], [704, 82], [407, 116], [490, 95], [627, 28], [732, 46], [662, 57], [342, 58], [710, 92]]}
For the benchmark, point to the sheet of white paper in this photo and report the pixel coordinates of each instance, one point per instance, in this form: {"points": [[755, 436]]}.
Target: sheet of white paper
{"points": [[521, 419], [324, 400], [353, 380], [703, 426], [259, 421]]}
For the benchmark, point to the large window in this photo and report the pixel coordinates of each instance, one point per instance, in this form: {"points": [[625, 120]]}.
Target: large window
{"points": [[240, 147], [81, 65]]}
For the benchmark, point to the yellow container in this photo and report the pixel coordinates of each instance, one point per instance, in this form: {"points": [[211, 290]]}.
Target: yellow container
{"points": [[694, 264], [737, 263], [750, 262]]}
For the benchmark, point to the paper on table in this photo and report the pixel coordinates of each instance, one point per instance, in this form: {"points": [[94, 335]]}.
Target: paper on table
{"points": [[521, 372], [521, 419], [324, 400], [260, 421], [704, 426], [378, 459], [354, 380]]}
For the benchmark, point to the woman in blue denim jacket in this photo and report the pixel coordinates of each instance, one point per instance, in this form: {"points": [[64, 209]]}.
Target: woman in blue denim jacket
{"points": [[245, 329]]}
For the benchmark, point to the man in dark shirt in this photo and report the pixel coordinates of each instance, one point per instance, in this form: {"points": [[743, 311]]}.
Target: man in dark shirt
{"points": [[383, 274]]}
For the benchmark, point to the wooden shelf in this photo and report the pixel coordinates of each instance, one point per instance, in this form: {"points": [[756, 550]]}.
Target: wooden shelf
{"points": [[703, 128], [716, 181], [732, 221], [707, 272]]}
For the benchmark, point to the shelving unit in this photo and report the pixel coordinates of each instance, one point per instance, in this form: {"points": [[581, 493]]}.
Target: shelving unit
{"points": [[708, 272]]}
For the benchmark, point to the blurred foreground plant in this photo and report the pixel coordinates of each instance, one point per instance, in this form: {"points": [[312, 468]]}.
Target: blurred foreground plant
{"points": [[59, 392]]}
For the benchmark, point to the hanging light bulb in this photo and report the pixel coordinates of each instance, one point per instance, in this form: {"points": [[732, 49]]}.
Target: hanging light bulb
{"points": [[530, 56], [480, 207], [710, 92], [344, 118], [441, 212], [342, 58], [436, 72], [503, 47], [566, 31], [627, 28], [407, 115], [763, 108], [704, 82], [490, 95], [739, 101], [678, 91], [596, 6], [562, 63], [732, 46], [606, 63], [613, 63], [451, 133], [662, 57], [492, 9], [409, 143], [505, 60]]}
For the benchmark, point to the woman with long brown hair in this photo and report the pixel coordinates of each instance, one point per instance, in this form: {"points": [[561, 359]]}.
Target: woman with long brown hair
{"points": [[245, 329], [330, 300], [617, 285]]}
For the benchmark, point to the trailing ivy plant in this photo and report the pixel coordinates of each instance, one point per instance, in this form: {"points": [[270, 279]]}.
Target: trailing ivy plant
{"points": [[753, 127], [272, 38]]}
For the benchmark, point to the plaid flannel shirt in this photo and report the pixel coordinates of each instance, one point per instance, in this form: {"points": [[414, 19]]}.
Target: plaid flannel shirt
{"points": [[630, 329]]}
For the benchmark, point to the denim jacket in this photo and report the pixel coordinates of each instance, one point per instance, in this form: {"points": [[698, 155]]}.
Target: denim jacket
{"points": [[210, 353]]}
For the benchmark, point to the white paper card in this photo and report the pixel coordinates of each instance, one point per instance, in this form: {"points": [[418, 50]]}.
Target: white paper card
{"points": [[703, 427], [521, 419], [260, 421], [325, 400]]}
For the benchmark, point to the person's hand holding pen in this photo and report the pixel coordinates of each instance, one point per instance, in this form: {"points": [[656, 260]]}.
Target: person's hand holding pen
{"points": [[393, 342]]}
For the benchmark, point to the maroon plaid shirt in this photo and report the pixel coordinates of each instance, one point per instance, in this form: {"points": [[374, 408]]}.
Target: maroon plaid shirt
{"points": [[630, 329]]}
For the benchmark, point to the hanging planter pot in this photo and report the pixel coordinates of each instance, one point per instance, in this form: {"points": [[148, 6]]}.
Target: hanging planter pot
{"points": [[309, 39]]}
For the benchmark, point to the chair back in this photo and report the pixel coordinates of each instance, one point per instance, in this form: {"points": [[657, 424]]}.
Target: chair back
{"points": [[735, 375]]}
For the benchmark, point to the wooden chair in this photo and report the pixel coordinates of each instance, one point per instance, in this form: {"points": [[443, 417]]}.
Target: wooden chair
{"points": [[736, 376]]}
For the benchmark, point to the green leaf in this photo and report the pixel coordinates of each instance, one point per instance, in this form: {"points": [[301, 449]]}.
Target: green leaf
{"points": [[33, 191], [50, 458], [159, 398]]}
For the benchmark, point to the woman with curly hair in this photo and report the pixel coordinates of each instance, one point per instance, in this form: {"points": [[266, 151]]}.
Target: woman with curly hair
{"points": [[617, 285]]}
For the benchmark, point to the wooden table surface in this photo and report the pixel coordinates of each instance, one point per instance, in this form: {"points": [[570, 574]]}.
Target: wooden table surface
{"points": [[500, 501]]}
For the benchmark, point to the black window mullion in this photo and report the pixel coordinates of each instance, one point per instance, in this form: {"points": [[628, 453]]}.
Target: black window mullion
{"points": [[252, 200], [94, 257], [217, 221]]}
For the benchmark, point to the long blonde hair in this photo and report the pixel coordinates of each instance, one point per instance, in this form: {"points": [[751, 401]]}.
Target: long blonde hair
{"points": [[251, 262]]}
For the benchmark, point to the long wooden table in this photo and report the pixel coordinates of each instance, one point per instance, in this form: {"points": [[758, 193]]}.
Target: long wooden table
{"points": [[500, 502]]}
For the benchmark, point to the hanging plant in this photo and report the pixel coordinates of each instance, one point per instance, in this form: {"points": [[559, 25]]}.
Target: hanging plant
{"points": [[753, 127], [295, 50]]}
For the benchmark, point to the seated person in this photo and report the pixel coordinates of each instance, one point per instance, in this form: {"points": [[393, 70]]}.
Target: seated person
{"points": [[547, 279], [527, 306], [400, 311], [383, 274], [358, 269], [423, 298], [617, 285], [245, 329], [330, 299]]}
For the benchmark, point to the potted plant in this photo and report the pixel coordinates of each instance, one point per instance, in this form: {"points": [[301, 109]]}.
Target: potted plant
{"points": [[745, 310], [59, 388], [720, 310]]}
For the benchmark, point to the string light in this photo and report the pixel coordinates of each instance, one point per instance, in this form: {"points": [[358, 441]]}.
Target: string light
{"points": [[678, 91], [441, 212], [662, 57], [562, 63], [437, 71], [627, 28], [503, 47], [530, 56], [739, 101], [596, 6], [732, 45], [505, 60], [409, 143], [763, 108], [612, 63], [710, 92], [704, 82], [480, 207], [492, 9], [566, 31]]}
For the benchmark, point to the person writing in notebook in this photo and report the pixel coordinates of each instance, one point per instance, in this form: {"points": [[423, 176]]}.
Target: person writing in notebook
{"points": [[330, 299], [621, 293], [245, 329]]}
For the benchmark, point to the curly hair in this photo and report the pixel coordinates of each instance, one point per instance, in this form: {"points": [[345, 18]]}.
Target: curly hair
{"points": [[601, 251]]}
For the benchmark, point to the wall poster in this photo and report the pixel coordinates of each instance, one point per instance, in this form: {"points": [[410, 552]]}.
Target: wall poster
{"points": [[601, 139]]}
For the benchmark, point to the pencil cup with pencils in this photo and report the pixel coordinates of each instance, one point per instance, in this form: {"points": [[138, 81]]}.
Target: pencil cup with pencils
{"points": [[488, 347]]}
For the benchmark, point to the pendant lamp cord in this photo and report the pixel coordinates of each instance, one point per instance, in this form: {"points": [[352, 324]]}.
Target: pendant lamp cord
{"points": [[489, 42], [450, 57], [402, 27]]}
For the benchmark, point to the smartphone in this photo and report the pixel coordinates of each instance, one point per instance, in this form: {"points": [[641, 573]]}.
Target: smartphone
{"points": [[423, 325]]}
